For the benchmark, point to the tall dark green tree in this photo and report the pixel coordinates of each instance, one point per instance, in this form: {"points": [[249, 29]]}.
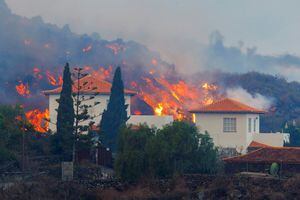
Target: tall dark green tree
{"points": [[65, 118], [115, 116]]}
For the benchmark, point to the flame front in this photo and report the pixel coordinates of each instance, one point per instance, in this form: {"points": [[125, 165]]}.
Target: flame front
{"points": [[23, 89], [39, 119], [53, 81], [164, 93], [87, 49], [116, 48], [159, 109], [167, 97]]}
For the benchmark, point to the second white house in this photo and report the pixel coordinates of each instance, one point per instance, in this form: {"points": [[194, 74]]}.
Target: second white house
{"points": [[232, 124]]}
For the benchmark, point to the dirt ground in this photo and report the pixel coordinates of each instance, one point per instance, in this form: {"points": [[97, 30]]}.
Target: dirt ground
{"points": [[186, 187]]}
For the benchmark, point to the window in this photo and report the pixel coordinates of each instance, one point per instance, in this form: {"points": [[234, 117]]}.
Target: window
{"points": [[254, 125], [249, 124], [229, 125]]}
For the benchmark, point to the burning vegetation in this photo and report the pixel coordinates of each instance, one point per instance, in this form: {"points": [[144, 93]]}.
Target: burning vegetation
{"points": [[39, 119]]}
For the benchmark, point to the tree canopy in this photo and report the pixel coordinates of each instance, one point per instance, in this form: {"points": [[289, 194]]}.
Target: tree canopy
{"points": [[178, 148], [63, 142], [10, 132], [115, 115]]}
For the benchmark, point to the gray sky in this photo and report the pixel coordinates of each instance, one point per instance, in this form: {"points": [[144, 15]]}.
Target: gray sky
{"points": [[164, 25]]}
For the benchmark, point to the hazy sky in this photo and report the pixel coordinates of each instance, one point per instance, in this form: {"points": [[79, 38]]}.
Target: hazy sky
{"points": [[271, 25]]}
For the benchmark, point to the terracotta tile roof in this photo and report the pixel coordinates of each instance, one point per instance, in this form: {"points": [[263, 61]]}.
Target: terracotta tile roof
{"points": [[287, 155], [90, 85], [227, 106], [257, 145]]}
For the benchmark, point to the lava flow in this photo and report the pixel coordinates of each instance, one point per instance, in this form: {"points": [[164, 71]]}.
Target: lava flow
{"points": [[167, 98], [164, 94]]}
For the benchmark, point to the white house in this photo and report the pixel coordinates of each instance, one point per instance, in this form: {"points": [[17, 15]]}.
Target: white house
{"points": [[100, 91], [232, 124]]}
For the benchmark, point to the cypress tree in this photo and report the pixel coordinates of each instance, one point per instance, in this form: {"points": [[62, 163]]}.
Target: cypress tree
{"points": [[65, 118], [115, 115]]}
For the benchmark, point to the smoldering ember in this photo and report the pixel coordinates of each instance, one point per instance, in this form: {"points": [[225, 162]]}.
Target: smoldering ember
{"points": [[149, 100]]}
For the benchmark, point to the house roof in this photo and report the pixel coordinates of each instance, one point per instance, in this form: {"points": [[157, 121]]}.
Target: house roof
{"points": [[227, 106], [90, 85], [255, 144], [287, 155]]}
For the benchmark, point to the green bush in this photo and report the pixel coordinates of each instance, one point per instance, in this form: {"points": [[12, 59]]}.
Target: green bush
{"points": [[6, 155], [131, 160], [177, 148], [274, 169]]}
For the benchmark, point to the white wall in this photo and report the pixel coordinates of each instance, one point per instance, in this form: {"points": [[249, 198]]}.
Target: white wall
{"points": [[257, 128], [150, 120], [271, 139], [94, 111], [213, 124]]}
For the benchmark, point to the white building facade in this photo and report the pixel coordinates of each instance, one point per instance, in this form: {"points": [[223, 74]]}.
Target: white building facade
{"points": [[232, 124]]}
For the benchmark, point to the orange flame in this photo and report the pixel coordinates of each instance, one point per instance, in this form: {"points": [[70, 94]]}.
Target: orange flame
{"points": [[194, 118], [154, 62], [37, 73], [53, 81], [103, 73], [87, 49], [39, 119], [137, 112], [159, 109], [116, 48], [23, 89], [167, 98]]}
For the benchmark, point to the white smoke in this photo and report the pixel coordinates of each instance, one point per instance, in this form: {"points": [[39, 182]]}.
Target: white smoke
{"points": [[256, 100]]}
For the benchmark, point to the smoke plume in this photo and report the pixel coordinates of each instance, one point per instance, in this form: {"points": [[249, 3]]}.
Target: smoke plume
{"points": [[256, 100]]}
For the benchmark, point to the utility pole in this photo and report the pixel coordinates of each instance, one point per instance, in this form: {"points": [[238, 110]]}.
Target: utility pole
{"points": [[81, 109], [23, 128]]}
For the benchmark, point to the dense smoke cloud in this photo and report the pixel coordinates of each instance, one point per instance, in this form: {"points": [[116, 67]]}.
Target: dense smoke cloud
{"points": [[241, 59], [179, 30]]}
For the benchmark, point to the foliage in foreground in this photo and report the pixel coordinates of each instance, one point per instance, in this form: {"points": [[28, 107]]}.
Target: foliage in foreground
{"points": [[12, 129], [10, 133], [178, 148]]}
